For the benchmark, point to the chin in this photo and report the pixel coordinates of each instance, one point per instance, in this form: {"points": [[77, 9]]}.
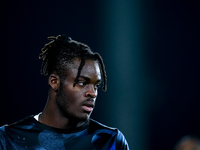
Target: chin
{"points": [[78, 117], [83, 117]]}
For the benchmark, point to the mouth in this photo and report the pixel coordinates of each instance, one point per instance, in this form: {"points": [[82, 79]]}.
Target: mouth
{"points": [[88, 106]]}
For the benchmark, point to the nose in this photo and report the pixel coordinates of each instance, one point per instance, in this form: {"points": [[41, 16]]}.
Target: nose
{"points": [[91, 92]]}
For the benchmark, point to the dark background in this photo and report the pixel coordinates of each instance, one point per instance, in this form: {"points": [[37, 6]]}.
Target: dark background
{"points": [[171, 55]]}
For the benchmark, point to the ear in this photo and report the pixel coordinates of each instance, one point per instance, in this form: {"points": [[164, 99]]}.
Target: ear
{"points": [[54, 81]]}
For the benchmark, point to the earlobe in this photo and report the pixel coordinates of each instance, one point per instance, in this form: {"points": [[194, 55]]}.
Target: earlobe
{"points": [[54, 81]]}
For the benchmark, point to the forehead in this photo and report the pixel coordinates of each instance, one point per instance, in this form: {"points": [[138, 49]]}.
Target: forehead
{"points": [[90, 69]]}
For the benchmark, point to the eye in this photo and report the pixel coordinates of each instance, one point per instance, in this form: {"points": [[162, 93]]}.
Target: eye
{"points": [[81, 83], [97, 86]]}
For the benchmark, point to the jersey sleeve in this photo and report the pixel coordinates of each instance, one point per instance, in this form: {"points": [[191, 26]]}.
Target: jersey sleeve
{"points": [[2, 138], [120, 142]]}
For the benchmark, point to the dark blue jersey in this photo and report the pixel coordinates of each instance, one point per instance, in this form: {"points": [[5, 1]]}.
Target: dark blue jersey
{"points": [[29, 134]]}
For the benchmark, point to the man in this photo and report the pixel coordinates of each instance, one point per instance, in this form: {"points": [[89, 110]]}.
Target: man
{"points": [[188, 142], [74, 75]]}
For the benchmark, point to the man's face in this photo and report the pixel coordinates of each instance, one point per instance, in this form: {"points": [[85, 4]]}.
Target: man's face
{"points": [[78, 102]]}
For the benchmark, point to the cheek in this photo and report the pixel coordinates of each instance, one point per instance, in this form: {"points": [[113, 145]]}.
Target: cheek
{"points": [[74, 96]]}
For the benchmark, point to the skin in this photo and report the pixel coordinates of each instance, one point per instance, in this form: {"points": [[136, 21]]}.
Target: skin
{"points": [[189, 144], [66, 106]]}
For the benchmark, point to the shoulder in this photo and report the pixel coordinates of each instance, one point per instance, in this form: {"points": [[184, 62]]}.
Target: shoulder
{"points": [[121, 141], [25, 123], [95, 125], [11, 132], [118, 140], [2, 131], [2, 137]]}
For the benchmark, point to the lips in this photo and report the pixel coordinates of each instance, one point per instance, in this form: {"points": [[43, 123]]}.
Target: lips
{"points": [[88, 106]]}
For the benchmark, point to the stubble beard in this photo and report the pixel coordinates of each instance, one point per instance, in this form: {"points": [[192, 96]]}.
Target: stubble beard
{"points": [[62, 102]]}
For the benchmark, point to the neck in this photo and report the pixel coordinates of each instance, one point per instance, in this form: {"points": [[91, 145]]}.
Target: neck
{"points": [[51, 116], [59, 122]]}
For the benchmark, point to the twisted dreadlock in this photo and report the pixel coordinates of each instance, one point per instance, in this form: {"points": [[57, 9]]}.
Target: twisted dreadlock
{"points": [[61, 51]]}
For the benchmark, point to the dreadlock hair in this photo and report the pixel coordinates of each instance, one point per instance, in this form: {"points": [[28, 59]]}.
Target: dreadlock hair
{"points": [[61, 51]]}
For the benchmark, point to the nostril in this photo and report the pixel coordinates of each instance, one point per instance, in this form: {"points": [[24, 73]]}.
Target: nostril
{"points": [[92, 95]]}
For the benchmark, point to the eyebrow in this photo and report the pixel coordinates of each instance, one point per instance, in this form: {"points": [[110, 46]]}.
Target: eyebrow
{"points": [[88, 79]]}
